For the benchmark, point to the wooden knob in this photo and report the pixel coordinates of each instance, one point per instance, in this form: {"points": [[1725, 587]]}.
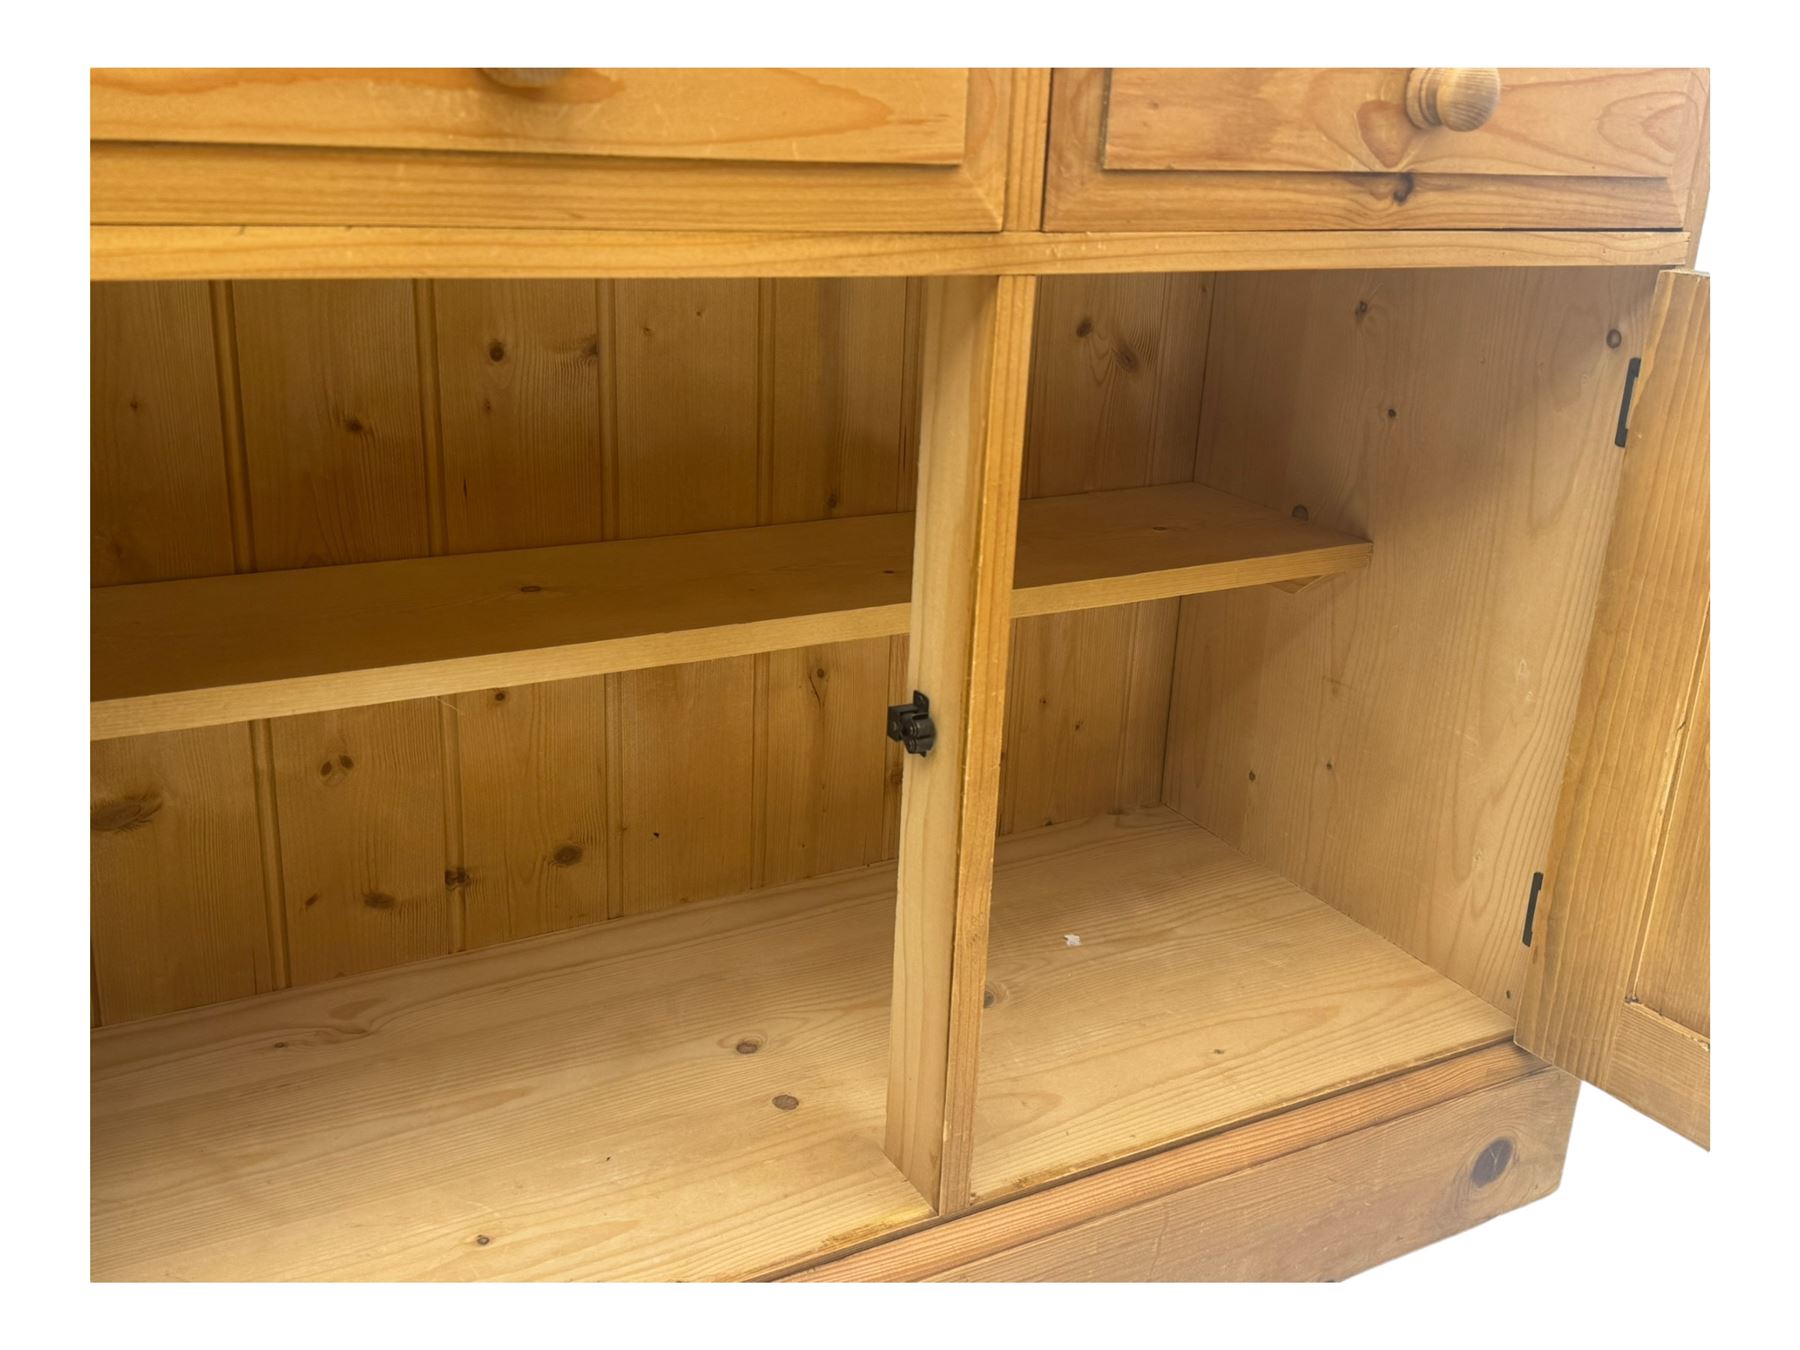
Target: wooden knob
{"points": [[526, 78], [1454, 97]]}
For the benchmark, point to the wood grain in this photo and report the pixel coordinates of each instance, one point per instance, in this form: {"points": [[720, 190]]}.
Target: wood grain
{"points": [[1644, 667], [1028, 136], [685, 835], [183, 252], [328, 375], [836, 398], [983, 1233], [159, 504], [532, 777], [1612, 123], [387, 1122], [226, 648], [519, 404], [1088, 714], [149, 183], [685, 359], [362, 838], [826, 764], [1272, 134], [1393, 741], [792, 116], [1329, 1211], [573, 1107], [1173, 1015], [178, 917], [1118, 368], [1663, 1069], [975, 367], [1674, 971], [840, 433]]}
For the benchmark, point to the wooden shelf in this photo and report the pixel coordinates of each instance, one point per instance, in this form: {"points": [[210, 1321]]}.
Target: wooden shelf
{"points": [[581, 1101], [202, 652]]}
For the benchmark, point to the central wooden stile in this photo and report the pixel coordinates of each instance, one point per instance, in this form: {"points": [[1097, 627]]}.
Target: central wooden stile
{"points": [[976, 368]]}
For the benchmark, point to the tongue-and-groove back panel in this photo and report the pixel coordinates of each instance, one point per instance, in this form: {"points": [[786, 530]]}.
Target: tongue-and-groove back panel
{"points": [[284, 424]]}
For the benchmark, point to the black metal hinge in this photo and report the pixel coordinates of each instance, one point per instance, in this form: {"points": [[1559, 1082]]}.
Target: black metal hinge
{"points": [[1631, 378], [1537, 886], [911, 725]]}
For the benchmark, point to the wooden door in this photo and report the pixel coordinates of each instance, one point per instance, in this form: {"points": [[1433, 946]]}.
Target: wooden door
{"points": [[1619, 986]]}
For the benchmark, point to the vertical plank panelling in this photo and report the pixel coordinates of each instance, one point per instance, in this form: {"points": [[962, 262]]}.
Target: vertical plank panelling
{"points": [[362, 837], [1090, 706], [178, 918], [335, 441], [520, 408], [838, 435], [533, 764], [519, 389], [332, 432], [686, 751], [159, 499], [1118, 367], [376, 419], [825, 781], [836, 385], [177, 902], [687, 418], [1116, 372], [685, 371]]}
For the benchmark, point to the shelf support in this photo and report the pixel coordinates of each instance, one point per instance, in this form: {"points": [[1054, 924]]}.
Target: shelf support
{"points": [[976, 367]]}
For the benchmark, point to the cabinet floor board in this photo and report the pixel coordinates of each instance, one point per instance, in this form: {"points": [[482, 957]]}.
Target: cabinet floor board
{"points": [[584, 1105]]}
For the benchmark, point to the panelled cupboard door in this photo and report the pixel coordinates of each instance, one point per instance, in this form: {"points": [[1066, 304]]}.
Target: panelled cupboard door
{"points": [[1393, 148], [1619, 985], [767, 149]]}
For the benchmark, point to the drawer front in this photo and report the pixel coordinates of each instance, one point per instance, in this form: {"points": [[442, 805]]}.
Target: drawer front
{"points": [[1374, 149], [784, 116], [596, 149]]}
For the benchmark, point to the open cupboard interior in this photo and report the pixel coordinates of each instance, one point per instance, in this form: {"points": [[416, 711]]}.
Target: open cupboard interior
{"points": [[497, 850]]}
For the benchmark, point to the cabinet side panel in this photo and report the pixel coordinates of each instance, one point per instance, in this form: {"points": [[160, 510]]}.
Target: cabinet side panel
{"points": [[1393, 741]]}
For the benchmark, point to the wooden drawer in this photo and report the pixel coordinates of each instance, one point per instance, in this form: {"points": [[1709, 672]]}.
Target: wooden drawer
{"points": [[627, 149], [1339, 149]]}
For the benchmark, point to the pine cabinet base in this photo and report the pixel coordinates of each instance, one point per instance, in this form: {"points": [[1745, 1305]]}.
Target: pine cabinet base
{"points": [[519, 509], [1317, 1193]]}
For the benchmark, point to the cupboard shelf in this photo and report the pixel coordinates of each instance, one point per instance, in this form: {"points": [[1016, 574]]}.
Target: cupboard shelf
{"points": [[602, 1103], [201, 652]]}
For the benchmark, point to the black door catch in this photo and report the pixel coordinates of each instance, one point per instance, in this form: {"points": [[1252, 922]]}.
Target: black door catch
{"points": [[911, 725]]}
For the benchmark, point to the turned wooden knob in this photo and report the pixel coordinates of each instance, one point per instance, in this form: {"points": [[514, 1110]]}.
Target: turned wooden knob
{"points": [[1459, 98], [536, 77]]}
